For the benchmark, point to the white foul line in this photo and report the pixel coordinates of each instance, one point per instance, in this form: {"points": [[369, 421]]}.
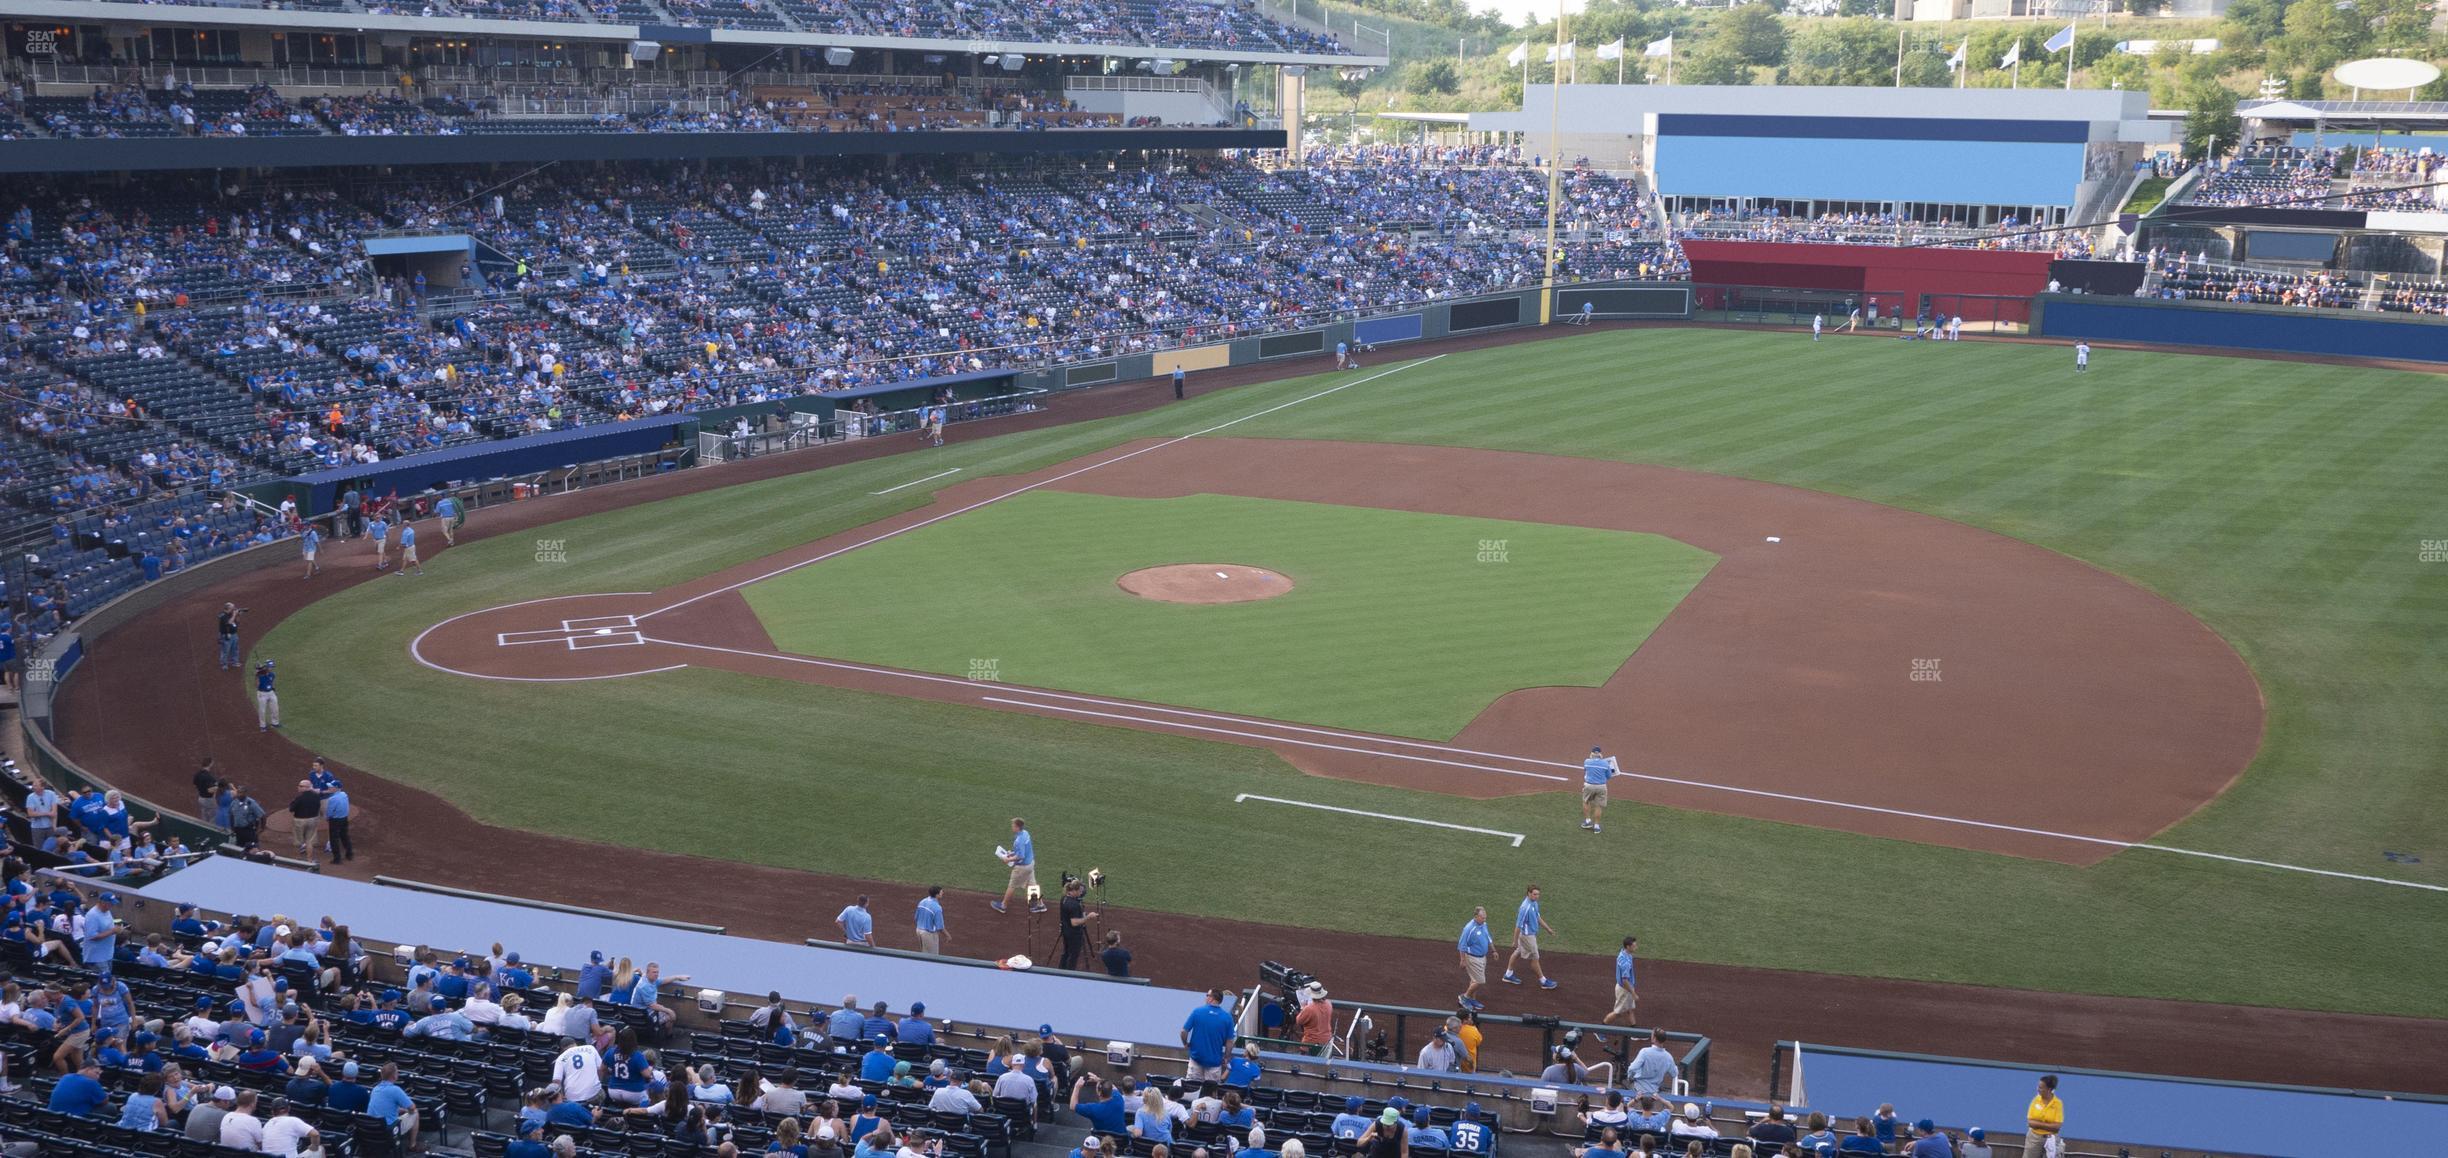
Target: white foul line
{"points": [[1019, 490], [1246, 796], [1264, 737], [915, 482]]}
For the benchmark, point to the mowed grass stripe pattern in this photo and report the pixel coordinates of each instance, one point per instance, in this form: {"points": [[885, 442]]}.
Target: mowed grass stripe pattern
{"points": [[1399, 622], [2309, 567], [2284, 503]]}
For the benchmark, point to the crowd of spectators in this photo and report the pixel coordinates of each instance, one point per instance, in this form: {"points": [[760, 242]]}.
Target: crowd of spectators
{"points": [[2270, 174], [254, 319], [2395, 179], [2181, 277], [836, 105], [1210, 24]]}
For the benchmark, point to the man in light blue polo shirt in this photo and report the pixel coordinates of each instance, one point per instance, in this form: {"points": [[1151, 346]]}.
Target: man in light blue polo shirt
{"points": [[1474, 945], [856, 925], [1595, 772], [1627, 985], [1527, 925], [1022, 857], [931, 921]]}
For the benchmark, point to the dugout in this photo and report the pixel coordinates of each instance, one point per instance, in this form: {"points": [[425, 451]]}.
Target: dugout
{"points": [[319, 492], [892, 406]]}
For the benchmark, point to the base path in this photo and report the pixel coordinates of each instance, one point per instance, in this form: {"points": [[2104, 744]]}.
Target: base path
{"points": [[1845, 664], [158, 667]]}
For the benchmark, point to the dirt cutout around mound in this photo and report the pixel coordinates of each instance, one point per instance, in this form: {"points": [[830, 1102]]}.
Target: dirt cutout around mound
{"points": [[1204, 583]]}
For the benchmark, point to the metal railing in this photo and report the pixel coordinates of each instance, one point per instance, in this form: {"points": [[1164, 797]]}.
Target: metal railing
{"points": [[208, 76]]}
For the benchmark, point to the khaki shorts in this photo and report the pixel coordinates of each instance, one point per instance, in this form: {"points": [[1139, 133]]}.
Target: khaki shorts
{"points": [[930, 942], [1625, 998], [1022, 876], [1593, 793], [1474, 968], [1526, 944]]}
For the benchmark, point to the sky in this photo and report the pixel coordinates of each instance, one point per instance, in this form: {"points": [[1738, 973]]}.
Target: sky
{"points": [[1515, 10]]}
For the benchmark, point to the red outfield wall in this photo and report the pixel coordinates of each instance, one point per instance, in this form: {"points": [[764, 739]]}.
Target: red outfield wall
{"points": [[1897, 276]]}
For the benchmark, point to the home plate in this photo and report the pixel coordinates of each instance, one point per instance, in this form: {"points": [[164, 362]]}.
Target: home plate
{"points": [[1774, 539], [603, 631], [1221, 575]]}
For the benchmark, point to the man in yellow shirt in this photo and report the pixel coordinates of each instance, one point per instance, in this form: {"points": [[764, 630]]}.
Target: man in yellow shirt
{"points": [[1470, 1036], [2043, 1121]]}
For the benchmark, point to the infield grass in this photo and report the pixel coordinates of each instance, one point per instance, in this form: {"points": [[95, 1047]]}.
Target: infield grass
{"points": [[1398, 622], [2285, 503]]}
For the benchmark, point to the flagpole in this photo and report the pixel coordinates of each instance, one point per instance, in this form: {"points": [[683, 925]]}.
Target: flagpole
{"points": [[1899, 56], [1555, 177]]}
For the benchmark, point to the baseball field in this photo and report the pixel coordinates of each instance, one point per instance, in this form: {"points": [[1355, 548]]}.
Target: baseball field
{"points": [[2132, 672]]}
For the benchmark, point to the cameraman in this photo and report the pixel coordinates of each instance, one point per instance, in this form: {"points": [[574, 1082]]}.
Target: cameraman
{"points": [[227, 627], [1075, 918]]}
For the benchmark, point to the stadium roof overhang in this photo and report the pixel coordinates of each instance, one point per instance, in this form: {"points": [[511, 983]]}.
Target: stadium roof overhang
{"points": [[292, 20], [2364, 114], [104, 156]]}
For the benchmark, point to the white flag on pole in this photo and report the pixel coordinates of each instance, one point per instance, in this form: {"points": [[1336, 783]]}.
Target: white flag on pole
{"points": [[2014, 56], [1520, 53], [1611, 51], [1957, 61], [1551, 54], [1568, 50], [1660, 47], [2060, 42]]}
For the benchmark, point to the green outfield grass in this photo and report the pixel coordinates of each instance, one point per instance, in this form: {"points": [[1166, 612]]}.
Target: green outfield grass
{"points": [[2285, 503], [1395, 624]]}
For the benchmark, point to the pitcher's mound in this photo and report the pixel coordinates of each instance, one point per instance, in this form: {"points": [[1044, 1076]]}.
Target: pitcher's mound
{"points": [[1204, 583]]}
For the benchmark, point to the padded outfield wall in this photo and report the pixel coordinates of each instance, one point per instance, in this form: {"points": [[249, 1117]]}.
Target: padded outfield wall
{"points": [[2285, 329]]}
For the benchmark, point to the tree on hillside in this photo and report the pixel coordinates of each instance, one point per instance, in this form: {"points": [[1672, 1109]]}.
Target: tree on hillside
{"points": [[2250, 23], [2319, 35], [1840, 52], [2211, 120], [1715, 63], [1435, 76], [1753, 33], [1348, 83]]}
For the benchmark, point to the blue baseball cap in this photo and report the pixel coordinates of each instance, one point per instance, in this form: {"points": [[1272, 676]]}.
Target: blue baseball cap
{"points": [[391, 995], [1045, 1029], [1351, 1105], [1977, 1133], [1470, 1110]]}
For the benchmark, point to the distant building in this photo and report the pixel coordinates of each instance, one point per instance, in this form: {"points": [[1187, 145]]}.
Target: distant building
{"points": [[1971, 155]]}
